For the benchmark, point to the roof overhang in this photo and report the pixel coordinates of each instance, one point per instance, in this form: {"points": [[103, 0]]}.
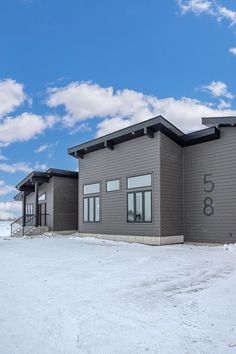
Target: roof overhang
{"points": [[219, 121], [28, 183], [148, 127]]}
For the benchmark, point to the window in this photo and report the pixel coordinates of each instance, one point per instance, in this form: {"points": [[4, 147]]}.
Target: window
{"points": [[29, 209], [113, 185], [92, 209], [139, 181], [42, 197], [139, 207], [92, 188]]}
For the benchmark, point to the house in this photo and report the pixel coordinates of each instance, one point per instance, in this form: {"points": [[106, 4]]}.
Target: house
{"points": [[49, 202], [151, 183]]}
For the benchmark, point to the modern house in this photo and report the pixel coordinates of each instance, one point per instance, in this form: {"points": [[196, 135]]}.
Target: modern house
{"points": [[49, 202], [153, 184]]}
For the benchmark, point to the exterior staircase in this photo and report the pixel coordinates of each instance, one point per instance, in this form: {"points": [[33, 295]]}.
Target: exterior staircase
{"points": [[18, 230]]}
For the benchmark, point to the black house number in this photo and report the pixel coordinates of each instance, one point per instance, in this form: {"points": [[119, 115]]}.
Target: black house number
{"points": [[209, 187]]}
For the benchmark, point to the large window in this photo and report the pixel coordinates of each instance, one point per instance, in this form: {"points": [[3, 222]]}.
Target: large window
{"points": [[92, 209], [92, 188], [139, 181], [113, 185], [139, 206]]}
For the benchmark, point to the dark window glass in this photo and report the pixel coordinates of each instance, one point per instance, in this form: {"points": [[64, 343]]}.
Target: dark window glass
{"points": [[131, 207], [91, 210], [139, 206]]}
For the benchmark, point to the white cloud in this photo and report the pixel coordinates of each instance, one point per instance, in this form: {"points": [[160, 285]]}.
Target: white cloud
{"points": [[11, 96], [2, 157], [196, 6], [15, 167], [5, 188], [232, 51], [23, 127], [42, 148], [22, 167], [10, 210], [223, 104], [118, 109], [212, 8], [217, 89]]}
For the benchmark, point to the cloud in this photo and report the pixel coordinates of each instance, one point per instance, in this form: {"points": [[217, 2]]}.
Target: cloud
{"points": [[118, 109], [217, 89], [22, 167], [42, 148], [5, 188], [232, 51], [196, 6], [10, 210], [212, 8], [11, 96], [2, 157], [24, 127]]}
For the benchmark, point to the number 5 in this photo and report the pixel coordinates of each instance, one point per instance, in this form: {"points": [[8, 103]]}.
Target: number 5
{"points": [[208, 182]]}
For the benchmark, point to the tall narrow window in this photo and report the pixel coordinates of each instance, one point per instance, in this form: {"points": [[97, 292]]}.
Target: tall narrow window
{"points": [[139, 206], [86, 209], [91, 209], [130, 207]]}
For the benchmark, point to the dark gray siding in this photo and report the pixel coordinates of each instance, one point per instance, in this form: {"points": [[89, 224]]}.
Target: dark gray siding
{"points": [[48, 189], [217, 158], [65, 203], [131, 158], [171, 167]]}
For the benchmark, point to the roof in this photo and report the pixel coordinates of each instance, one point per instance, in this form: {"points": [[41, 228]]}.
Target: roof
{"points": [[147, 127], [219, 121], [28, 181]]}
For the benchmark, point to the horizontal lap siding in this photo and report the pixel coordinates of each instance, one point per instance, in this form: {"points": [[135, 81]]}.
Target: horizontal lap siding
{"points": [[218, 158], [135, 157], [171, 187], [65, 203]]}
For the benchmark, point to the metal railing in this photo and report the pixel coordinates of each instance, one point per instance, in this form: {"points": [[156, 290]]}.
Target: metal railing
{"points": [[17, 225]]}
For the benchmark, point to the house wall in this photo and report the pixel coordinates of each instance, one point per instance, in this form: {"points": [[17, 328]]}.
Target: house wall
{"points": [[171, 191], [131, 158], [65, 203], [48, 189], [217, 160]]}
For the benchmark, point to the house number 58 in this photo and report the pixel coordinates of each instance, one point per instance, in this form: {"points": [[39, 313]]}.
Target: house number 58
{"points": [[208, 209]]}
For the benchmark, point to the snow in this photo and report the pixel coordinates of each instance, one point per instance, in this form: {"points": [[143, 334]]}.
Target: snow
{"points": [[5, 228], [72, 295]]}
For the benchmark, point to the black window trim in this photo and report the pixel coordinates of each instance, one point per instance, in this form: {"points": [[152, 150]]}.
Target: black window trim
{"points": [[143, 204], [111, 180], [94, 209], [89, 184], [143, 174]]}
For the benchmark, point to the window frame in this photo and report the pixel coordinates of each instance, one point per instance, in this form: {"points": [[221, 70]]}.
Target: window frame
{"points": [[142, 187], [90, 184], [143, 207], [111, 180], [94, 209]]}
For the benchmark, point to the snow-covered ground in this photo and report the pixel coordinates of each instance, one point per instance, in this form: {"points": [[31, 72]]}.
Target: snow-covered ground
{"points": [[70, 295], [5, 228]]}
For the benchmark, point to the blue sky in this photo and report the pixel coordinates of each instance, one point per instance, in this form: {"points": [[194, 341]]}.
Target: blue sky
{"points": [[73, 70]]}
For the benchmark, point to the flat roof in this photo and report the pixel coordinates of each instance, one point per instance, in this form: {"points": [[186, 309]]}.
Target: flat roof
{"points": [[28, 181], [147, 127], [219, 121]]}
